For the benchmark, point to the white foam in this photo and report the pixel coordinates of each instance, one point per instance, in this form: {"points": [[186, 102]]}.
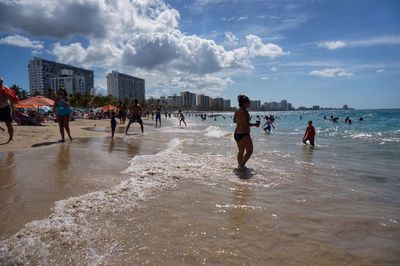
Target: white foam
{"points": [[70, 228], [216, 132]]}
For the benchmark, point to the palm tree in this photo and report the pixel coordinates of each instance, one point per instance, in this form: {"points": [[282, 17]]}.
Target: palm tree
{"points": [[21, 93]]}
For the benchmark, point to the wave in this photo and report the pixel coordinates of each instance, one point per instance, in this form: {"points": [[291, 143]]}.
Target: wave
{"points": [[74, 233], [216, 132]]}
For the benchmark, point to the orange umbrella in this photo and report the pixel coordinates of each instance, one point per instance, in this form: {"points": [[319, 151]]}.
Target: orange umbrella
{"points": [[35, 102], [27, 105], [109, 107]]}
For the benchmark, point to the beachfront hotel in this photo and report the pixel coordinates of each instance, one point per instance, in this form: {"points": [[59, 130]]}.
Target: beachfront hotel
{"points": [[123, 86], [203, 101], [41, 72], [72, 83], [188, 99]]}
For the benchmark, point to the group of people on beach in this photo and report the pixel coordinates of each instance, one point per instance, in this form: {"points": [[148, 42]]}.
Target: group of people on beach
{"points": [[135, 115], [8, 101]]}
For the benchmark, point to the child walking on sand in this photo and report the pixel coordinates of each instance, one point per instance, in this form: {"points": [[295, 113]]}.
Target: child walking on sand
{"points": [[113, 124], [309, 134], [242, 131]]}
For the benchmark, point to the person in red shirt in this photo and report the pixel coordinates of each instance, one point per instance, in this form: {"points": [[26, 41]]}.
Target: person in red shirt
{"points": [[309, 134], [7, 101]]}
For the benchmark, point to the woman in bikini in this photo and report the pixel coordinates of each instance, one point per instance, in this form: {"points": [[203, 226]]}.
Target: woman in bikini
{"points": [[242, 131]]}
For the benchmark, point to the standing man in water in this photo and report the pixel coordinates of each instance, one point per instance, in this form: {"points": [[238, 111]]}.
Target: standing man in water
{"points": [[242, 131], [158, 115], [135, 116], [7, 99]]}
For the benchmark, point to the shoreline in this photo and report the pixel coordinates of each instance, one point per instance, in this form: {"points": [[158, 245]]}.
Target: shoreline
{"points": [[36, 171], [26, 137], [304, 206]]}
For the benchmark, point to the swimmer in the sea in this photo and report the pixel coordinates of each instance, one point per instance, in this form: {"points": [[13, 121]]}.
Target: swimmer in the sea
{"points": [[267, 126]]}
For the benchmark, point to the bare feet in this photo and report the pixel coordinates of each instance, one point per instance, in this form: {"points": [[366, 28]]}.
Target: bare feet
{"points": [[242, 167]]}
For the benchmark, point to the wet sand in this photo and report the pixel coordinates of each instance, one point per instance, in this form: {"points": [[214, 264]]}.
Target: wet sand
{"points": [[186, 205], [36, 171], [37, 136]]}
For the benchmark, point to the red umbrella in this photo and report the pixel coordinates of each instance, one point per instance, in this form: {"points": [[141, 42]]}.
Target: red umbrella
{"points": [[109, 107]]}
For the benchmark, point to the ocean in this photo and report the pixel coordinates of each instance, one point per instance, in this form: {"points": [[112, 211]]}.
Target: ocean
{"points": [[337, 203]]}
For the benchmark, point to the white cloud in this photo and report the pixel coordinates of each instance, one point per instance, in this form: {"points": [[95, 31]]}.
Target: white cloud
{"points": [[139, 37], [264, 78], [380, 70], [331, 73], [332, 45], [273, 69], [242, 18], [367, 42], [256, 47], [377, 40], [232, 38], [21, 41]]}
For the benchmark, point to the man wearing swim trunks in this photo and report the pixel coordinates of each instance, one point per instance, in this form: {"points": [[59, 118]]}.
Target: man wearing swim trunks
{"points": [[242, 131], [135, 116], [6, 101]]}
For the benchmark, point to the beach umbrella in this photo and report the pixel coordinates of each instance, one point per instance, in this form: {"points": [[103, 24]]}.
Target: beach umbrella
{"points": [[27, 106], [109, 107], [35, 102]]}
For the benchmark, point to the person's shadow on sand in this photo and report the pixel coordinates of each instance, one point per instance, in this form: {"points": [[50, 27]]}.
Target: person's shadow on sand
{"points": [[246, 173], [132, 134], [48, 143]]}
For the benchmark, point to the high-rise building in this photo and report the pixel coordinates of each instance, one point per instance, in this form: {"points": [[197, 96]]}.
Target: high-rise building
{"points": [[188, 99], [69, 81], [218, 104], [255, 105], [41, 71], [175, 101], [124, 86], [227, 104], [283, 105], [203, 101]]}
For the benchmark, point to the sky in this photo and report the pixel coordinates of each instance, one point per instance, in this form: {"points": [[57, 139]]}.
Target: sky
{"points": [[309, 52]]}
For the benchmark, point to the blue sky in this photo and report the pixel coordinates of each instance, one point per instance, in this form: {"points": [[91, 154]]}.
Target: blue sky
{"points": [[309, 52]]}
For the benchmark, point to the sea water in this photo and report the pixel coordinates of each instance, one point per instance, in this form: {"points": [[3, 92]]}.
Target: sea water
{"points": [[336, 203]]}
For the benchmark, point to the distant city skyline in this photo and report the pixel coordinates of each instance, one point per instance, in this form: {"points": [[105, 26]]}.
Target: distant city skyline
{"points": [[324, 52]]}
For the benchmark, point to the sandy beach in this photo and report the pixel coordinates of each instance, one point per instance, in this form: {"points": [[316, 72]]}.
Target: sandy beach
{"points": [[36, 136], [172, 196], [36, 171]]}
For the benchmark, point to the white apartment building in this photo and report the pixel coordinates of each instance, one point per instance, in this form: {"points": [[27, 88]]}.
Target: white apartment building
{"points": [[69, 81], [123, 86], [41, 72]]}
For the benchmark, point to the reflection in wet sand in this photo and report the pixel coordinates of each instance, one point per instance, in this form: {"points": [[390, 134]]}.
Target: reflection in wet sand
{"points": [[239, 213], [32, 180]]}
